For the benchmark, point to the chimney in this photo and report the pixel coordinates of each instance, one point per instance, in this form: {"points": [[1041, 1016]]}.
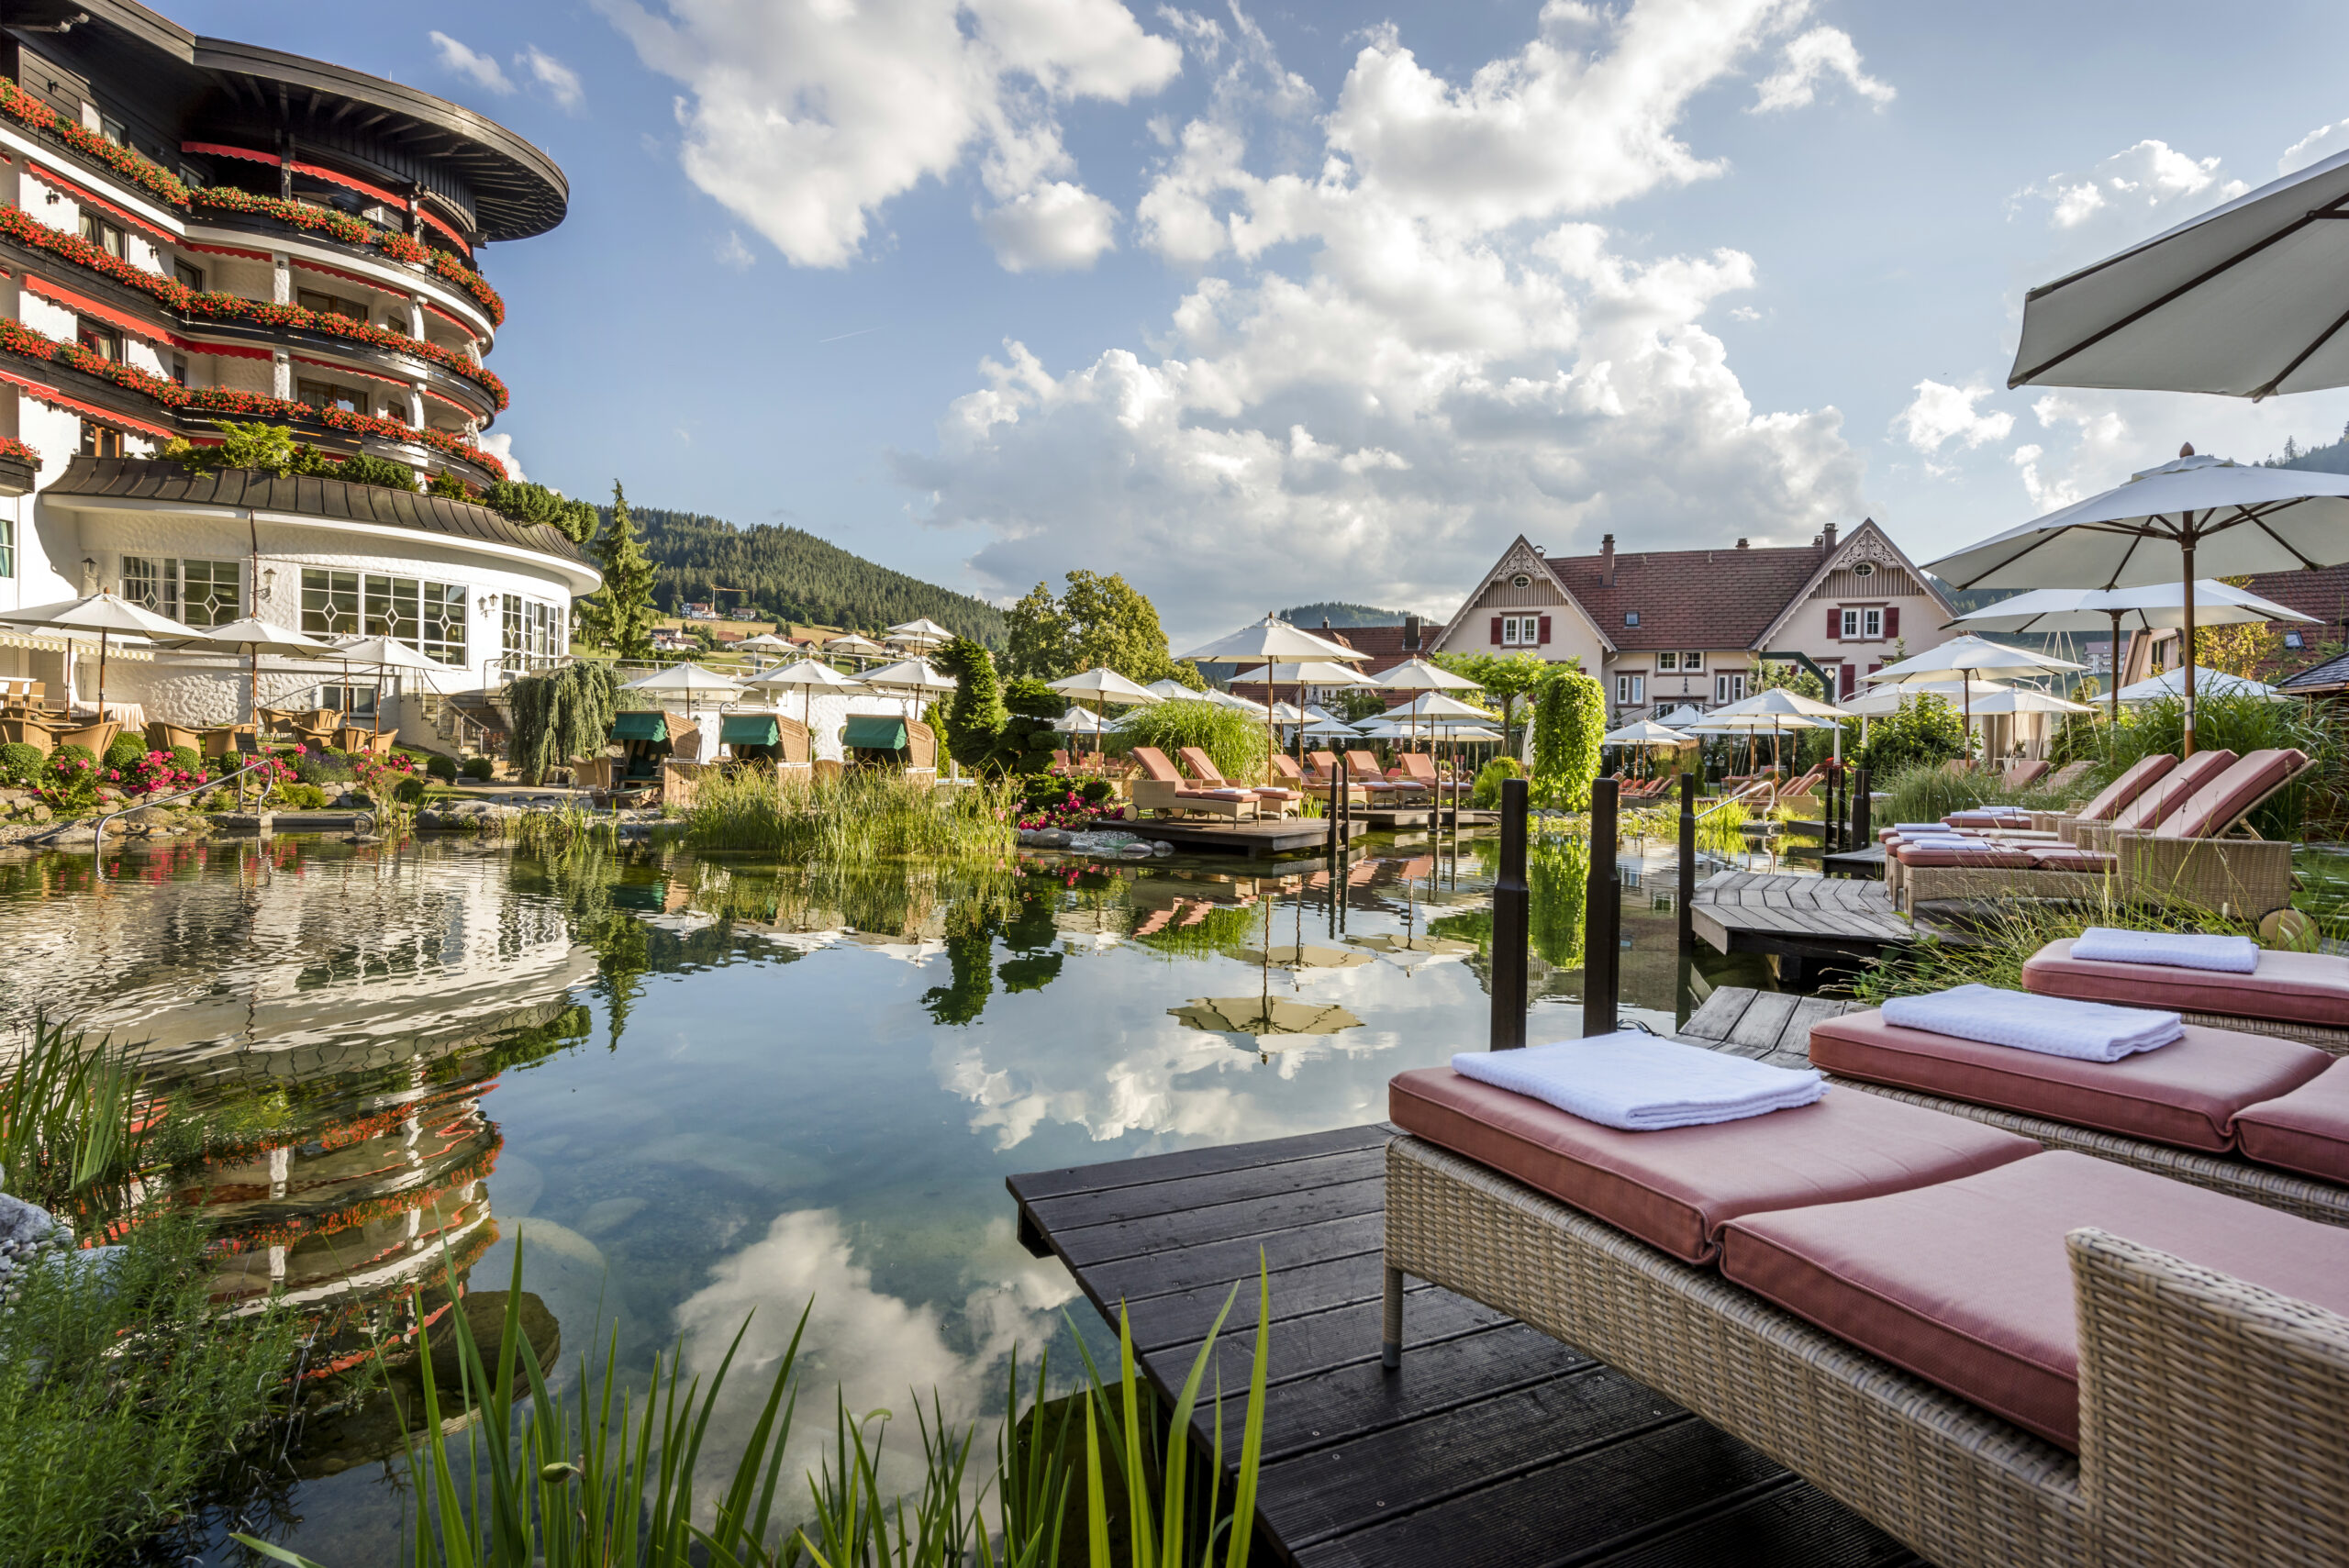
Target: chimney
{"points": [[1607, 562], [1325, 623], [1542, 550], [1411, 633], [1828, 537], [1741, 544]]}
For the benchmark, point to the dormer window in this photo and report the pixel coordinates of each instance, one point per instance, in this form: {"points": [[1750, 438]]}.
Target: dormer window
{"points": [[1630, 617], [1520, 581], [2294, 640], [1864, 569]]}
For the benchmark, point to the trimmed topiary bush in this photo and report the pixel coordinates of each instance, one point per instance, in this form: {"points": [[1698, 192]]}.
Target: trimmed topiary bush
{"points": [[188, 759], [1028, 740], [20, 765], [441, 768], [1568, 718], [408, 791], [126, 751], [479, 769], [1487, 793]]}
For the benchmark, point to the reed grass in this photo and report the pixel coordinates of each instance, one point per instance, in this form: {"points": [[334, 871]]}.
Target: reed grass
{"points": [[70, 1122], [600, 1481], [864, 815]]}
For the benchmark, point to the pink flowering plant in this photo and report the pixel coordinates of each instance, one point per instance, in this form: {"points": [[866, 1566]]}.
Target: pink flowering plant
{"points": [[69, 784], [1048, 802], [155, 774]]}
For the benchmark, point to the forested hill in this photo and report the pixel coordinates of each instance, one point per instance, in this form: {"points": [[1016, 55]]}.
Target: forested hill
{"points": [[793, 576], [1341, 613]]}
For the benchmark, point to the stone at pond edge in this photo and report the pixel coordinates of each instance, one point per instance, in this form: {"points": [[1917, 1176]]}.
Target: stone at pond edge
{"points": [[21, 1223]]}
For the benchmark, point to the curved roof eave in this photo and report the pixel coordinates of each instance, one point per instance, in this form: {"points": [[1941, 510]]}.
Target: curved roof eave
{"points": [[518, 190]]}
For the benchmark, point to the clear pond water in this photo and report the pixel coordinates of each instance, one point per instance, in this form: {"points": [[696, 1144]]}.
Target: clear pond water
{"points": [[697, 1087]]}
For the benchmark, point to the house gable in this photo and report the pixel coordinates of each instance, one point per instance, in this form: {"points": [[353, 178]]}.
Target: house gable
{"points": [[1543, 591], [1866, 566]]}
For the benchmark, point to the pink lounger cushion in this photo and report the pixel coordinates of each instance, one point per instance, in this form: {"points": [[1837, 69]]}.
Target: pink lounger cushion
{"points": [[1676, 1189], [1988, 857], [2186, 1094], [2132, 784], [1966, 1282], [2287, 988], [2230, 793], [2172, 790], [2306, 1130]]}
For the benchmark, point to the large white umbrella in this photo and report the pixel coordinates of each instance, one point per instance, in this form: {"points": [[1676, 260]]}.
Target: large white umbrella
{"points": [[1172, 690], [1419, 675], [688, 680], [2022, 699], [256, 639], [809, 677], [1783, 708], [1078, 721], [1645, 732], [385, 655], [2168, 684], [2248, 300], [850, 643], [1960, 659], [2152, 606], [1271, 641], [911, 679], [1879, 700], [107, 615], [766, 643], [1105, 686], [1681, 717], [922, 633], [2172, 523], [1233, 699]]}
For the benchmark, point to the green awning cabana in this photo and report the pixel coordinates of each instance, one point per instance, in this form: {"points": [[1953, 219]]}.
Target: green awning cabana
{"points": [[872, 733], [640, 727], [751, 730]]}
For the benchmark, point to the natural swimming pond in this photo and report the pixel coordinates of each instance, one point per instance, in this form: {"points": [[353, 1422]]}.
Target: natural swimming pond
{"points": [[698, 1086]]}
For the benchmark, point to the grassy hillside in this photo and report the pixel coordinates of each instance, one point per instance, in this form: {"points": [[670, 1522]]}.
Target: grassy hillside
{"points": [[792, 575]]}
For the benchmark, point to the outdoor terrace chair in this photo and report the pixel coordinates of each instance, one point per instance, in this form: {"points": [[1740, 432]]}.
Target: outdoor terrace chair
{"points": [[2293, 995], [28, 730], [1420, 769], [1204, 775], [1320, 777], [2107, 803], [2021, 775], [97, 735], [2259, 1117], [1159, 787], [2048, 1360], [1363, 767], [163, 737]]}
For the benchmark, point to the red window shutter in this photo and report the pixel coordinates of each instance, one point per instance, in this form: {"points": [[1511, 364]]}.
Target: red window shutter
{"points": [[1849, 682], [1497, 631], [1892, 622], [1835, 624], [1544, 634]]}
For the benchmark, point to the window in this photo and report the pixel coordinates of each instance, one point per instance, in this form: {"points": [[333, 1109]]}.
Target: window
{"points": [[97, 440], [1864, 626], [114, 130], [1730, 687], [1630, 690], [8, 547], [326, 394], [1630, 617], [330, 305], [533, 631], [98, 337], [101, 233], [179, 369], [2294, 640], [1864, 569], [189, 275], [1520, 581], [1518, 630], [1692, 662], [427, 617], [353, 699], [1667, 662], [202, 593]]}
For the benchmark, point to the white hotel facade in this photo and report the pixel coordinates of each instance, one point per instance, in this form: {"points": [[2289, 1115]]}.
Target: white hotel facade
{"points": [[193, 230]]}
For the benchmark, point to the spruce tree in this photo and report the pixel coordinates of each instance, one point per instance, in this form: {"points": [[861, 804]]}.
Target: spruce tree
{"points": [[623, 620]]}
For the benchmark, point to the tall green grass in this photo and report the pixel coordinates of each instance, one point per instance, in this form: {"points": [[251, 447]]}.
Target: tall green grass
{"points": [[601, 1481], [1929, 791], [1232, 740], [862, 816], [71, 1123], [2315, 807]]}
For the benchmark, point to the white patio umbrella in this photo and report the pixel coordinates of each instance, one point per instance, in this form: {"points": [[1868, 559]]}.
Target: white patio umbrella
{"points": [[856, 646], [1681, 717], [766, 643], [1879, 700], [255, 638], [2167, 685], [1724, 721], [1271, 641], [108, 615], [1172, 690], [2153, 606], [687, 681], [910, 679], [1233, 699], [1646, 732], [385, 655], [1330, 730], [1105, 686], [2173, 523], [2247, 300], [922, 633], [1784, 707], [2022, 699], [1079, 721], [1961, 658], [809, 677], [1419, 675]]}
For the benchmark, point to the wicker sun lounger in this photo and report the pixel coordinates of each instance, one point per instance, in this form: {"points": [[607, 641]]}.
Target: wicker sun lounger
{"points": [[2292, 996], [2209, 1409]]}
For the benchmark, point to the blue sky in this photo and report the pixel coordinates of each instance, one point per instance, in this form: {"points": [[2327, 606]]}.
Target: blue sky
{"points": [[1265, 307]]}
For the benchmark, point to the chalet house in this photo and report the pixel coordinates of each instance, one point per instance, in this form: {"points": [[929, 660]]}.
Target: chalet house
{"points": [[1664, 628]]}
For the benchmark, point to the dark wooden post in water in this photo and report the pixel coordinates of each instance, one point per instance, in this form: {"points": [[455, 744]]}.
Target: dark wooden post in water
{"points": [[1687, 861], [1831, 827], [1511, 900], [1602, 913], [1862, 830]]}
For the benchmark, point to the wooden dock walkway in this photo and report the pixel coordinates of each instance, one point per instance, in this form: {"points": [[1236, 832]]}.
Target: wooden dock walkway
{"points": [[1288, 836], [1493, 1447], [1797, 916]]}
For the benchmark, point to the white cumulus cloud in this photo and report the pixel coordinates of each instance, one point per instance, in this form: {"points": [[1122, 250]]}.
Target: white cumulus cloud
{"points": [[1408, 340], [1819, 55], [2314, 148], [2136, 191], [805, 118], [1939, 414], [560, 81], [479, 68], [1055, 225], [500, 444]]}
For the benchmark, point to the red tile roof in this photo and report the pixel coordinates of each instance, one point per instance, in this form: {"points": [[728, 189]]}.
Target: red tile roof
{"points": [[1689, 598]]}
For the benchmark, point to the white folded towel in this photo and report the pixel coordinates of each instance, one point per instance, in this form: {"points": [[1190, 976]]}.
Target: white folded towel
{"points": [[2175, 950], [2053, 1026], [1640, 1083]]}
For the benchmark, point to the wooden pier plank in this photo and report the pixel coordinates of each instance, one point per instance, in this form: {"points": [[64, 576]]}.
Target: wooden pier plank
{"points": [[1800, 915]]}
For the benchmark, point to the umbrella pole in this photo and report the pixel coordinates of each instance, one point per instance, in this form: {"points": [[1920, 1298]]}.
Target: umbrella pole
{"points": [[2113, 674], [102, 681], [2186, 670]]}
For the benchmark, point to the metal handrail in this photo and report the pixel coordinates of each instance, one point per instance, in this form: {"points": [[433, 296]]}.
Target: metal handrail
{"points": [[98, 833], [1728, 799]]}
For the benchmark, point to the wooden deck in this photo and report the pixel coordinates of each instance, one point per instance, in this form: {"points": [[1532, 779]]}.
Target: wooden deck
{"points": [[1768, 1026], [1288, 836], [1493, 1447], [1797, 917]]}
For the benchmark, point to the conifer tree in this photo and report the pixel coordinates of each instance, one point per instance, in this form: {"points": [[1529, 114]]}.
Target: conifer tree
{"points": [[619, 614]]}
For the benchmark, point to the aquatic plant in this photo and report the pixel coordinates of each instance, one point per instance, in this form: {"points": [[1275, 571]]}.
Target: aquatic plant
{"points": [[70, 1122], [860, 815], [1234, 740], [1485, 793], [122, 1392], [600, 1480]]}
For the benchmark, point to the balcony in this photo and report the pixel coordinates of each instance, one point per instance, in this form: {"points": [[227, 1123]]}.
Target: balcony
{"points": [[215, 226]]}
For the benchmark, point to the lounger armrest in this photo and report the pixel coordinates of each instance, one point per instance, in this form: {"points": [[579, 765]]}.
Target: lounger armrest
{"points": [[2210, 1411], [2243, 878]]}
